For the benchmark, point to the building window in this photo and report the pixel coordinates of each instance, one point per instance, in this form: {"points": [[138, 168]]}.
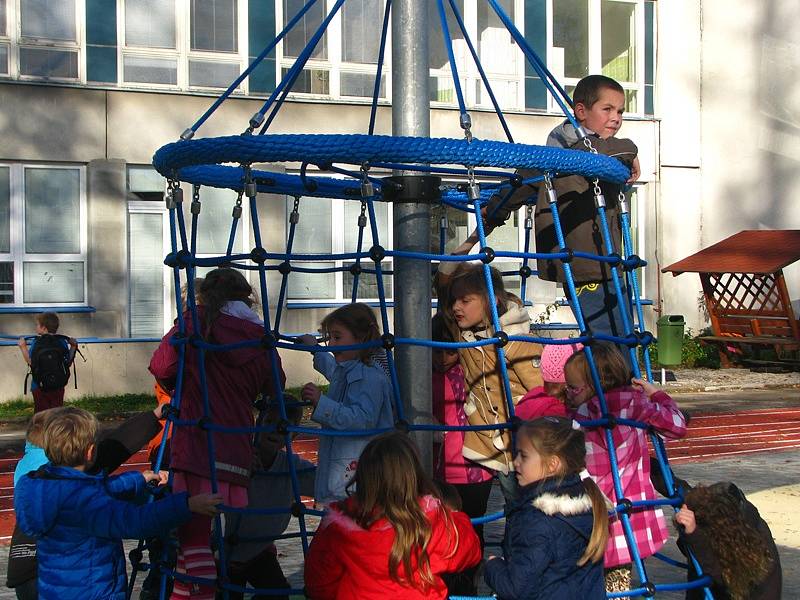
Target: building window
{"points": [[47, 39], [194, 44], [150, 285], [599, 36], [500, 57], [330, 226], [43, 237], [344, 62], [509, 238]]}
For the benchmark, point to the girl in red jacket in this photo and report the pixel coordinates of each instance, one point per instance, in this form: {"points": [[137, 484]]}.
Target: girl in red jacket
{"points": [[233, 380], [393, 538]]}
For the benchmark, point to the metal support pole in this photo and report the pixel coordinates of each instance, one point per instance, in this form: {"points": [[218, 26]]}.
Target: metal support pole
{"points": [[412, 278]]}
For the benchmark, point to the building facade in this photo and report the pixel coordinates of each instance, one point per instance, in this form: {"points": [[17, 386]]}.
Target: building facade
{"points": [[91, 88]]}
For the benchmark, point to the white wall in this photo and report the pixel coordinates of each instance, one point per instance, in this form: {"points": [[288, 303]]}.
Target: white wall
{"points": [[734, 69]]}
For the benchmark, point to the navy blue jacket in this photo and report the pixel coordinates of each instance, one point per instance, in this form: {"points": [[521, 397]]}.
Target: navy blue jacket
{"points": [[80, 520], [547, 531]]}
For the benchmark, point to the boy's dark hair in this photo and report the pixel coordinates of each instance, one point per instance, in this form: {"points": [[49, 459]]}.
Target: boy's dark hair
{"points": [[48, 320], [588, 89], [68, 436], [439, 330]]}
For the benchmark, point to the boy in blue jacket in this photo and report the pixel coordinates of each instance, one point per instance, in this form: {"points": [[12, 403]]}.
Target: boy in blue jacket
{"points": [[80, 520]]}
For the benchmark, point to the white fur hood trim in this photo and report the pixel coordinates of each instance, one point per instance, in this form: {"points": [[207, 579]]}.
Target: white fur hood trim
{"points": [[550, 504]]}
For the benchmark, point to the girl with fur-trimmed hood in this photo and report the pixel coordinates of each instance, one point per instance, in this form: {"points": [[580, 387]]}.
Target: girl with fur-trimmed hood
{"points": [[557, 527]]}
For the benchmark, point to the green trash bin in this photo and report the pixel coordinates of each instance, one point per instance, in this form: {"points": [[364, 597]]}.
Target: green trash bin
{"points": [[670, 339]]}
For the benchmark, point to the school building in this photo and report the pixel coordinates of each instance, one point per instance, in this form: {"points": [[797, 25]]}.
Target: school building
{"points": [[90, 89]]}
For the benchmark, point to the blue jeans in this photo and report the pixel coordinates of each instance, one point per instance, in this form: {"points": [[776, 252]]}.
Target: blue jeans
{"points": [[602, 311]]}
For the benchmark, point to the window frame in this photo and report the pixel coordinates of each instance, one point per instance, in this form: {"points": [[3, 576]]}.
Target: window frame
{"points": [[15, 42], [183, 53], [595, 43], [19, 256], [139, 206], [468, 72], [334, 65], [342, 295]]}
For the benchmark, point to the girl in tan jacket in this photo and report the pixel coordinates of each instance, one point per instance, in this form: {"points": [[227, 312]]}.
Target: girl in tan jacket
{"points": [[462, 288]]}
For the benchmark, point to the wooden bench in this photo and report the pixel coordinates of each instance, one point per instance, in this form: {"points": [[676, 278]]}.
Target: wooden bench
{"points": [[745, 291]]}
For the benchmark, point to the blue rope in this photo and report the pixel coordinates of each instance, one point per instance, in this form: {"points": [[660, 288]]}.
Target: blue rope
{"points": [[359, 149], [376, 91], [203, 162], [482, 73], [448, 44]]}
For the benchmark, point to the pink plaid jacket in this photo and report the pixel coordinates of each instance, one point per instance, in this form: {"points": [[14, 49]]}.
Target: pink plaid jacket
{"points": [[659, 411]]}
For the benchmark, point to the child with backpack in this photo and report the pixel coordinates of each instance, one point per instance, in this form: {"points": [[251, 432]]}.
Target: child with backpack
{"points": [[49, 357]]}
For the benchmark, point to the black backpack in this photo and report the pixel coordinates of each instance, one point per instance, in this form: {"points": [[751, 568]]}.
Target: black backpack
{"points": [[50, 361]]}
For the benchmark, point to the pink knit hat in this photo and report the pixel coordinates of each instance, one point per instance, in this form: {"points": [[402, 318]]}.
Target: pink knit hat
{"points": [[554, 356]]}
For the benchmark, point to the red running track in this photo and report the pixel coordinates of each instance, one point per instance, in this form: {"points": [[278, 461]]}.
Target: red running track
{"points": [[710, 436]]}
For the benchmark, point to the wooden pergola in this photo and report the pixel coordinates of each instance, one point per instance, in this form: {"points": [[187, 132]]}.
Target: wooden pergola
{"points": [[744, 288]]}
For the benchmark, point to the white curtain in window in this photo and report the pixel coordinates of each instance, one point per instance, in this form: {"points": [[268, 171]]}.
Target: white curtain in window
{"points": [[5, 210], [146, 275], [438, 57], [49, 19], [215, 74], [297, 38], [52, 211], [313, 235], [496, 49], [352, 210], [214, 25], [147, 69], [618, 26], [52, 281], [145, 179], [571, 36], [214, 221], [361, 30], [150, 23]]}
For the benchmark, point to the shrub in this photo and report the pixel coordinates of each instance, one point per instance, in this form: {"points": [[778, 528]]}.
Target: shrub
{"points": [[693, 352]]}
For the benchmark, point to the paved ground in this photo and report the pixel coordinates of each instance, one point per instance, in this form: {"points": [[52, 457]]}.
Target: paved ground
{"points": [[767, 419]]}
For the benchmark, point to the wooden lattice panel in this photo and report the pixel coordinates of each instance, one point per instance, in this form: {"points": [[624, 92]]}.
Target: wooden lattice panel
{"points": [[749, 304]]}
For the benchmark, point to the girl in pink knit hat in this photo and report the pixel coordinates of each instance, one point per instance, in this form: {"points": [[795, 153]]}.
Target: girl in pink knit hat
{"points": [[548, 399]]}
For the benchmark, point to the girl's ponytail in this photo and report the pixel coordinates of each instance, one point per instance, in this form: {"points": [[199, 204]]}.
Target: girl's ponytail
{"points": [[597, 542], [563, 438]]}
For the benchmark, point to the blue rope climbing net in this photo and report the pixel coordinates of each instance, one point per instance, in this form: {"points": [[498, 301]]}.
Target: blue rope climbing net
{"points": [[489, 168]]}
